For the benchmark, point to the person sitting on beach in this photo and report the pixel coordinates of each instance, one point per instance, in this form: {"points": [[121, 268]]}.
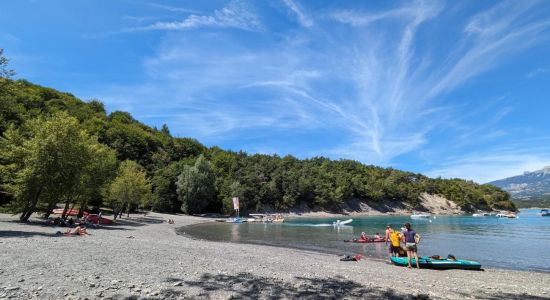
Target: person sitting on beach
{"points": [[78, 230], [377, 236], [363, 237]]}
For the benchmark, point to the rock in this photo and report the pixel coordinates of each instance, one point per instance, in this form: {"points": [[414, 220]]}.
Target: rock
{"points": [[21, 280], [92, 285]]}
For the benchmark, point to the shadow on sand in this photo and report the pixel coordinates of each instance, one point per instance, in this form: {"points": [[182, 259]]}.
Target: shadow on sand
{"points": [[249, 286], [23, 234]]}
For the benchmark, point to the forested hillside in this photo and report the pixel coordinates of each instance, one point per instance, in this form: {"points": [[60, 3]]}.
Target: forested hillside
{"points": [[56, 148]]}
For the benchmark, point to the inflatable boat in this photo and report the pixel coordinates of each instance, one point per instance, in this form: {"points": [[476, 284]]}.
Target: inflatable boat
{"points": [[442, 264], [365, 241]]}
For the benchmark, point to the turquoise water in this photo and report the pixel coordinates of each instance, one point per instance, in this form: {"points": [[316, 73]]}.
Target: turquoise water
{"points": [[521, 243]]}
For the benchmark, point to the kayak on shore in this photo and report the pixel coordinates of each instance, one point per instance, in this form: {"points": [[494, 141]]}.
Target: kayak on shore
{"points": [[442, 264]]}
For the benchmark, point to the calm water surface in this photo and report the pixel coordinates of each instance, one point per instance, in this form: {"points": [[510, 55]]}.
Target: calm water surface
{"points": [[521, 243]]}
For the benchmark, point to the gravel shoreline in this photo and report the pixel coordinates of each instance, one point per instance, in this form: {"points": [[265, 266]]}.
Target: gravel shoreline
{"points": [[143, 258]]}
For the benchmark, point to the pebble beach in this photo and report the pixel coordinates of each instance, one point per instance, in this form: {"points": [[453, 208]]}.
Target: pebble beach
{"points": [[142, 257]]}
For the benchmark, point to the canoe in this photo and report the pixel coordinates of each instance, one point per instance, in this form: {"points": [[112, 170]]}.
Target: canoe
{"points": [[365, 241], [441, 264]]}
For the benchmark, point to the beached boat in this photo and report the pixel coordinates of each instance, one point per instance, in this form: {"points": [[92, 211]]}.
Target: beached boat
{"points": [[544, 213], [420, 216], [481, 215], [342, 223], [441, 264], [268, 218]]}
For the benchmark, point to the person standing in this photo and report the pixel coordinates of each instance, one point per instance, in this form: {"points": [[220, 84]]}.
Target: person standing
{"points": [[388, 232], [411, 241], [99, 218], [395, 243]]}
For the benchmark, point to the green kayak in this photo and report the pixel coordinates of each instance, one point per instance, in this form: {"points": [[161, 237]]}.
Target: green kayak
{"points": [[442, 264]]}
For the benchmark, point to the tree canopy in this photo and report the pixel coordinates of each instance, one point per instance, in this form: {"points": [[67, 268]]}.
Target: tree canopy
{"points": [[59, 149]]}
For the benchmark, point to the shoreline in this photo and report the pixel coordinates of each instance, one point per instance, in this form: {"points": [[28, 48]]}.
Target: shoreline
{"points": [[144, 257]]}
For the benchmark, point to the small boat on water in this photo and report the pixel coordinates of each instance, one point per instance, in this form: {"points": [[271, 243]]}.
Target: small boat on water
{"points": [[341, 223], [509, 216], [267, 218], [544, 213], [236, 220], [426, 262], [420, 216], [481, 215], [365, 241]]}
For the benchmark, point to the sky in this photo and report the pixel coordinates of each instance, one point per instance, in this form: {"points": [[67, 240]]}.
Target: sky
{"points": [[443, 88]]}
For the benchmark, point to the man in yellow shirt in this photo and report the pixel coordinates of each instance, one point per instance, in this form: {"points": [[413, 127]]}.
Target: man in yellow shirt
{"points": [[395, 245]]}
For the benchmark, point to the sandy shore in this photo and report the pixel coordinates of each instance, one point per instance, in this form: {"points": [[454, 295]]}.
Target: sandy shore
{"points": [[142, 257]]}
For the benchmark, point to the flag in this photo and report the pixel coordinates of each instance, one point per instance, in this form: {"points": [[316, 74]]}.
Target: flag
{"points": [[236, 203]]}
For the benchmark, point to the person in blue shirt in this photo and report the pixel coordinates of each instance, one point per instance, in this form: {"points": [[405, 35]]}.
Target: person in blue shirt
{"points": [[411, 241]]}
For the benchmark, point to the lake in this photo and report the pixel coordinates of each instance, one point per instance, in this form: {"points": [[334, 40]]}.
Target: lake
{"points": [[520, 243]]}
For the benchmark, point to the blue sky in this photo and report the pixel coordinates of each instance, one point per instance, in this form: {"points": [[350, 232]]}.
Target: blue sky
{"points": [[451, 89]]}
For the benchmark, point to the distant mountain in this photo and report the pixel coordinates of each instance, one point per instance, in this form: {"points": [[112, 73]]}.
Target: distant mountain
{"points": [[530, 185]]}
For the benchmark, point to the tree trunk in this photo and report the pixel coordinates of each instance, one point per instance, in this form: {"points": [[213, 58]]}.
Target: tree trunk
{"points": [[49, 210], [31, 207], [64, 214], [81, 210]]}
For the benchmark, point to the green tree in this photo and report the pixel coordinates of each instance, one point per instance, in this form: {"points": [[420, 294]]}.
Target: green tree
{"points": [[5, 72], [130, 188], [48, 161], [196, 186]]}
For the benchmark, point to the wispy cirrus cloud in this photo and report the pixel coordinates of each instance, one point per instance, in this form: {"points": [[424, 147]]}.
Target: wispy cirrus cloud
{"points": [[237, 14], [538, 72], [304, 19], [368, 84], [493, 165], [173, 8]]}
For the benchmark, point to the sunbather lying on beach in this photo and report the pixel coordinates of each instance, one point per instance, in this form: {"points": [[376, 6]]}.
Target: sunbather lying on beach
{"points": [[78, 230]]}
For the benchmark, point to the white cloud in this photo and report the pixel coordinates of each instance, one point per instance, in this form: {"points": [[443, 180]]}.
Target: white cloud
{"points": [[494, 165], [538, 72], [304, 20], [368, 86], [173, 8], [235, 15]]}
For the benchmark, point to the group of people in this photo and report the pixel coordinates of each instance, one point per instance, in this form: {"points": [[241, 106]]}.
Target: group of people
{"points": [[171, 221], [365, 237], [409, 237]]}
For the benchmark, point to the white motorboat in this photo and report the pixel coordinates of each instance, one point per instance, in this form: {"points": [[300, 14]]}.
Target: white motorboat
{"points": [[342, 223], [420, 216], [509, 216], [481, 215]]}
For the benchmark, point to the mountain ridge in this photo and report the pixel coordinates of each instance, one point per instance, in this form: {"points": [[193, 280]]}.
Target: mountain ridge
{"points": [[528, 186]]}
